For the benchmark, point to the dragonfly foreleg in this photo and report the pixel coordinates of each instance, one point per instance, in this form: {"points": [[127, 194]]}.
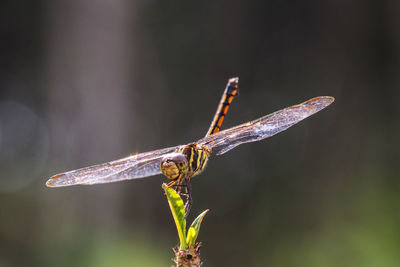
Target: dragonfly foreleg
{"points": [[172, 183]]}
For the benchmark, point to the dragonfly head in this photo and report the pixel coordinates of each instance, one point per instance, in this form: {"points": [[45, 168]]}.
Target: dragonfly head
{"points": [[174, 166]]}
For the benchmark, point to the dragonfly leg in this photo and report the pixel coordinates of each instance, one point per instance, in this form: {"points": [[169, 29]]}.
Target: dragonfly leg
{"points": [[178, 186], [172, 183], [188, 194]]}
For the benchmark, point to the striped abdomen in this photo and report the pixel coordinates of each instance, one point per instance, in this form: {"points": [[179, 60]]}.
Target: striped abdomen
{"points": [[197, 157], [231, 90]]}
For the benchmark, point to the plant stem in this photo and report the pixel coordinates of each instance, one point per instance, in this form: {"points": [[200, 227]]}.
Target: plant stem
{"points": [[189, 257]]}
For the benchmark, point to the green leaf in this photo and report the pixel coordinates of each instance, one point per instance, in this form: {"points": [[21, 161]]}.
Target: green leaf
{"points": [[194, 229], [178, 212]]}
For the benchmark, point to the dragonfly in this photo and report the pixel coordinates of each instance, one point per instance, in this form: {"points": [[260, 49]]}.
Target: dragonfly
{"points": [[180, 163]]}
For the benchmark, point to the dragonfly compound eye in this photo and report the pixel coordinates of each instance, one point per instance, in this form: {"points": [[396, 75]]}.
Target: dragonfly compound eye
{"points": [[174, 166]]}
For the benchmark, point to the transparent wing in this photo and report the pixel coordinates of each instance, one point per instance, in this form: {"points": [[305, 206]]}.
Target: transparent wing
{"points": [[264, 127], [132, 167]]}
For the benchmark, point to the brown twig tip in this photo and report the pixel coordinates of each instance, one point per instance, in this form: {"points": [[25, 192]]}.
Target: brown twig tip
{"points": [[189, 257]]}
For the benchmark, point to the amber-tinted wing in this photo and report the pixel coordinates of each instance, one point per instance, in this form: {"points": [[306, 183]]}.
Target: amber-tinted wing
{"points": [[264, 127], [132, 167]]}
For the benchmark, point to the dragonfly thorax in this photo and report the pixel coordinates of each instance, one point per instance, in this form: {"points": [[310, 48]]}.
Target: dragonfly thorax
{"points": [[175, 166], [197, 157]]}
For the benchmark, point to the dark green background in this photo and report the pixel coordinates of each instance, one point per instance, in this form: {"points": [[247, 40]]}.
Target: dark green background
{"points": [[85, 82]]}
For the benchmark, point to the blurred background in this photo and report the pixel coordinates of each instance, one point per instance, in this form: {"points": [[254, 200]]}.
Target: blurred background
{"points": [[86, 82]]}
